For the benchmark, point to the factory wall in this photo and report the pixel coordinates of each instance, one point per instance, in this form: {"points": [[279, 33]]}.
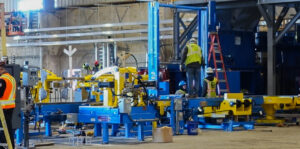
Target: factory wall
{"points": [[55, 60]]}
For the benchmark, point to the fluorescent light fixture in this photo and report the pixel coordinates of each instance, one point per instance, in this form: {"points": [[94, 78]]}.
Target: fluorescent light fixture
{"points": [[27, 5]]}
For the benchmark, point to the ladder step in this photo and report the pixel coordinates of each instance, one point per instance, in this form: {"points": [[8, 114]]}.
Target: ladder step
{"points": [[218, 61], [223, 90], [222, 81], [3, 144], [220, 70], [217, 51]]}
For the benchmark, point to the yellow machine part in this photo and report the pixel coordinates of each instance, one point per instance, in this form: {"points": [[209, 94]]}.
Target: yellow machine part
{"points": [[124, 76], [225, 106], [162, 106], [46, 85], [273, 103]]}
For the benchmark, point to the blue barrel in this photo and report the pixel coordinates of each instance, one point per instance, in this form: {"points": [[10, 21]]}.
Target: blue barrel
{"points": [[192, 128]]}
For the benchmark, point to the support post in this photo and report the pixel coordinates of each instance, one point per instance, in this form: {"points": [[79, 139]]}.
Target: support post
{"points": [[141, 131], [127, 129], [96, 51], [105, 135], [97, 130], [176, 31], [70, 53], [114, 129], [271, 73], [153, 45]]}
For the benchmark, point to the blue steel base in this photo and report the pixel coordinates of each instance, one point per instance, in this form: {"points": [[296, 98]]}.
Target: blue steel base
{"points": [[228, 126], [105, 116]]}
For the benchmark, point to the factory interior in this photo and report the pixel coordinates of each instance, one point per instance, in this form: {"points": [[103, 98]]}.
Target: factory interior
{"points": [[180, 74]]}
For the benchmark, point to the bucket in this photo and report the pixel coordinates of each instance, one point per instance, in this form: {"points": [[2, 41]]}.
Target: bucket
{"points": [[192, 128]]}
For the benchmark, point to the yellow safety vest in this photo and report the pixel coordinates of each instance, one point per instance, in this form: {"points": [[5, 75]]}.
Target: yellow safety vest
{"points": [[8, 99], [194, 54], [180, 92], [211, 87]]}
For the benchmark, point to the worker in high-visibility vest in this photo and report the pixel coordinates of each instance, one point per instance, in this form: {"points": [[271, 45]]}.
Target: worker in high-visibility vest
{"points": [[193, 60], [210, 84], [182, 88], [7, 100]]}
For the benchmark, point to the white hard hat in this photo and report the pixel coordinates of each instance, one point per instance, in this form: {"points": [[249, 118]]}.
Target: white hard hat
{"points": [[209, 70], [193, 40]]}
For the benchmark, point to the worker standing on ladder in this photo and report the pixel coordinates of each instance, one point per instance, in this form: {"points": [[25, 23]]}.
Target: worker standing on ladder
{"points": [[192, 59], [7, 99], [209, 84]]}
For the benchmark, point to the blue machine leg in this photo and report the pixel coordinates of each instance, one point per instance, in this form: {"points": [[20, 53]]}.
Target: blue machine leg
{"points": [[141, 131], [127, 130], [19, 132], [172, 117], [114, 129], [97, 130], [105, 134], [48, 132]]}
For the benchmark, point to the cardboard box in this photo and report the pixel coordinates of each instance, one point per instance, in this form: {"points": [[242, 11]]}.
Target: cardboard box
{"points": [[162, 135]]}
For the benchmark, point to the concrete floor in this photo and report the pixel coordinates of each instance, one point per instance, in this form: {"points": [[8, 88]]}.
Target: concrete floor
{"points": [[261, 138]]}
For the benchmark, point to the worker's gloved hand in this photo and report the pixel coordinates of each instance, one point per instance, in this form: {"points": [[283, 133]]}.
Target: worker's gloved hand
{"points": [[180, 67]]}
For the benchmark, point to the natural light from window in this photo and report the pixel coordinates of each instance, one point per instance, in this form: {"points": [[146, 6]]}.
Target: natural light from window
{"points": [[27, 5]]}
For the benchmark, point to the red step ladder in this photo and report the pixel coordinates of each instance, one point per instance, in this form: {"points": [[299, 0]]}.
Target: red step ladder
{"points": [[216, 52]]}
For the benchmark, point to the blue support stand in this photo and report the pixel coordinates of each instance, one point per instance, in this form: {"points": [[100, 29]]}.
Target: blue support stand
{"points": [[141, 131], [48, 132], [105, 135], [19, 132], [97, 130], [128, 127], [114, 129]]}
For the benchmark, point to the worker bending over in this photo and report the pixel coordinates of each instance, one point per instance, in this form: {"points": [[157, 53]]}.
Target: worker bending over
{"points": [[7, 100], [209, 84], [182, 88], [192, 59]]}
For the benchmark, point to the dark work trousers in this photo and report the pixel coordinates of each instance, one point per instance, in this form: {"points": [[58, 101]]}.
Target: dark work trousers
{"points": [[193, 75], [8, 117]]}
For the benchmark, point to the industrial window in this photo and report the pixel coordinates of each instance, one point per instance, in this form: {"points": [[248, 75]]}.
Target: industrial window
{"points": [[27, 5]]}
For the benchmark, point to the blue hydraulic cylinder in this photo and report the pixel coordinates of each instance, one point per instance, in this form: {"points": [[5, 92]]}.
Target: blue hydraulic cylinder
{"points": [[97, 130], [153, 44], [105, 135]]}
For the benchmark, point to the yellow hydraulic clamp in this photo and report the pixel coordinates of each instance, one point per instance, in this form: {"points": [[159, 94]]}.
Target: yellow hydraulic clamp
{"points": [[233, 104], [274, 103]]}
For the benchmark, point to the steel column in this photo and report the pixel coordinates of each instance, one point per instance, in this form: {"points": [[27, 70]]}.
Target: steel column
{"points": [[203, 38], [176, 34], [271, 73], [153, 44]]}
